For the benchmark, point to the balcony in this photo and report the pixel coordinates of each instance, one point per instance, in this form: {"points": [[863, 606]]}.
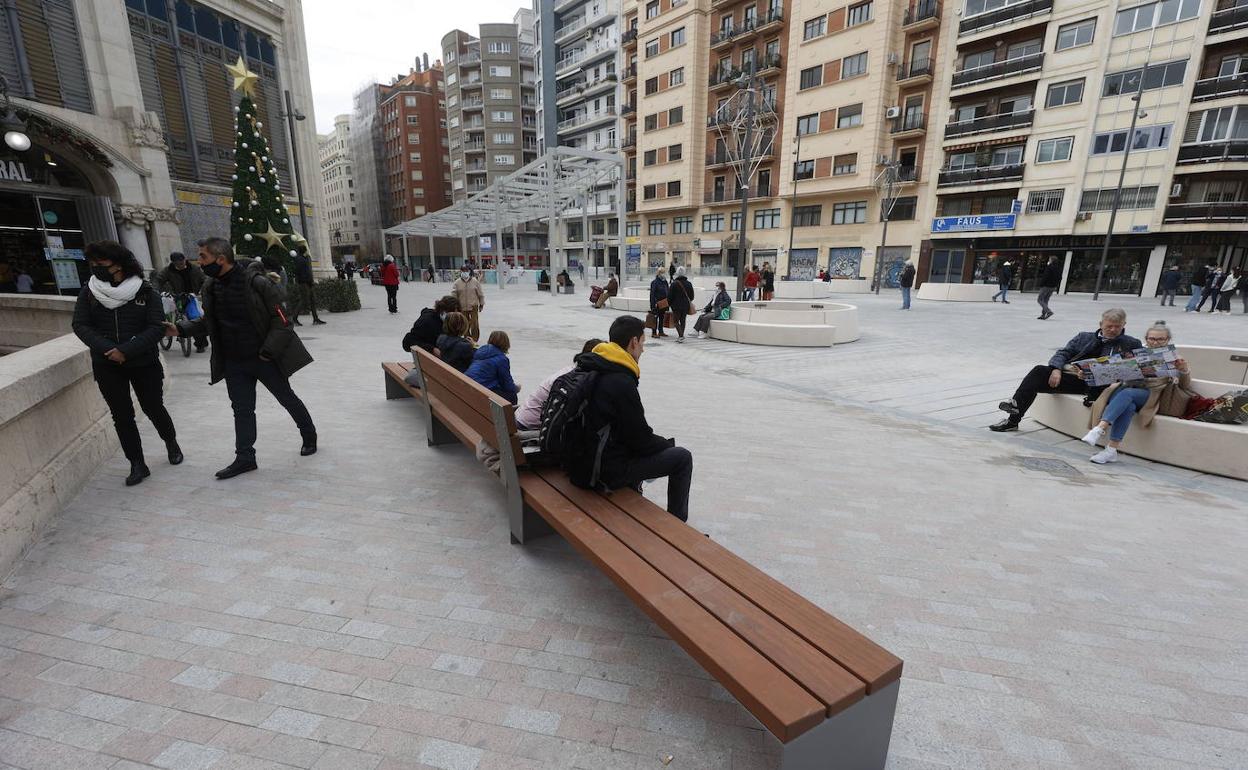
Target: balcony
{"points": [[908, 125], [913, 70], [1007, 121], [1019, 65], [774, 18], [920, 16], [722, 78], [628, 109], [724, 35], [725, 196], [474, 146], [470, 59], [1214, 152], [719, 119], [475, 168], [1009, 172], [630, 73], [1219, 211], [1217, 88], [629, 37], [1229, 19], [769, 65], [630, 143], [1002, 16], [586, 118], [472, 104], [907, 174]]}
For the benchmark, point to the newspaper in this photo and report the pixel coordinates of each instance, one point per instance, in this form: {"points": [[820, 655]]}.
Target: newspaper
{"points": [[1139, 364]]}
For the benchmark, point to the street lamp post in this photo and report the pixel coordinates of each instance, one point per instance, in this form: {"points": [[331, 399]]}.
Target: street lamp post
{"points": [[1122, 173], [743, 181], [797, 157], [888, 181], [291, 115]]}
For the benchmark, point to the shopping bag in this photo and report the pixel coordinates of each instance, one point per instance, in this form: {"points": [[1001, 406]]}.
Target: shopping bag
{"points": [[192, 308]]}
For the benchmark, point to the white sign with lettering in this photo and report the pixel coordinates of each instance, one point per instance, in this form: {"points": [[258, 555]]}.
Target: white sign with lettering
{"points": [[14, 171]]}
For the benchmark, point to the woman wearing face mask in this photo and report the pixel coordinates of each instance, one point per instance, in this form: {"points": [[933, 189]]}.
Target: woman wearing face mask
{"points": [[120, 318], [471, 299]]}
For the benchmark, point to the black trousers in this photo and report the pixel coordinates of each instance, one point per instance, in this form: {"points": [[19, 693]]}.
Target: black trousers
{"points": [[674, 462], [305, 291], [115, 383], [678, 320], [392, 298], [240, 382], [1037, 382], [1208, 294]]}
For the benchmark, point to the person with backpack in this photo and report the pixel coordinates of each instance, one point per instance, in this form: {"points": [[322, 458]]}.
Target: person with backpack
{"points": [[595, 423], [454, 347], [529, 415], [120, 318], [658, 302], [717, 305], [491, 368], [680, 299]]}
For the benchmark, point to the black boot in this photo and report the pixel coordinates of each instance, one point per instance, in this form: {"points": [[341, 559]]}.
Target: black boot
{"points": [[236, 468], [138, 472], [309, 445], [1008, 424], [175, 452]]}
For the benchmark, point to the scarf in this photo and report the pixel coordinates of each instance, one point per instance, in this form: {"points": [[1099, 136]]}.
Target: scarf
{"points": [[113, 297]]}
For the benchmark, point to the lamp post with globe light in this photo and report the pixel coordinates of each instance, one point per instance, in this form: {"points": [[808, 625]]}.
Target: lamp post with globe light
{"points": [[15, 136]]}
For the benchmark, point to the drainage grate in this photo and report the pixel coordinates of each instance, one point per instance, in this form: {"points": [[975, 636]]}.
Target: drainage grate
{"points": [[1049, 465]]}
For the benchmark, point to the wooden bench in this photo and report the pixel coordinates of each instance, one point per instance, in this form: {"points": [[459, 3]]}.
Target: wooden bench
{"points": [[396, 381], [825, 691]]}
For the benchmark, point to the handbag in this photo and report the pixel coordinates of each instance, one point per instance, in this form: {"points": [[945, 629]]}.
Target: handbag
{"points": [[725, 314], [661, 304], [1231, 408]]}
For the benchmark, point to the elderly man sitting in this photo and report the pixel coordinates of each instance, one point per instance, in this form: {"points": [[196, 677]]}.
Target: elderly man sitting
{"points": [[1059, 376]]}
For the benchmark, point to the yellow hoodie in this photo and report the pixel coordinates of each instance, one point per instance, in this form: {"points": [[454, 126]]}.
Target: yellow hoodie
{"points": [[618, 355]]}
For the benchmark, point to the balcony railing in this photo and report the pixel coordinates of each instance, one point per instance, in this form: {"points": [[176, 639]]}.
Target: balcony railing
{"points": [[629, 36], [469, 104], [473, 167], [474, 146], [1002, 69], [769, 62], [586, 117], [907, 174], [718, 118], [1010, 13], [630, 141], [1214, 152], [630, 72], [1003, 122], [469, 59], [981, 174], [727, 196], [1219, 211], [914, 69], [1231, 18], [628, 109], [921, 11], [1216, 88], [912, 122]]}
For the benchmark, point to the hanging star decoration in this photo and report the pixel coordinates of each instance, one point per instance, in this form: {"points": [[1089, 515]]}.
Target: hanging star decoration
{"points": [[244, 79], [273, 238]]}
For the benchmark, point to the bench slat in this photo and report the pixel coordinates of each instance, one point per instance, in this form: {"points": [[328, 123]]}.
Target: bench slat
{"points": [[468, 435], [782, 705], [397, 371], [472, 394], [868, 661], [816, 672], [447, 404]]}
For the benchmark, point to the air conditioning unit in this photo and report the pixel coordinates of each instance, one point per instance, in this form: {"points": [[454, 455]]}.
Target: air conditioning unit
{"points": [[883, 160], [1176, 190], [892, 112], [893, 58], [1083, 216], [589, 34]]}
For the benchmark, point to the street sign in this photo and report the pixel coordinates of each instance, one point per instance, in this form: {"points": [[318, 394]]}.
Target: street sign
{"points": [[974, 223]]}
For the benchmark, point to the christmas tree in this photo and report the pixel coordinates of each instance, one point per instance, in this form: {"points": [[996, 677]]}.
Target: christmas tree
{"points": [[259, 223]]}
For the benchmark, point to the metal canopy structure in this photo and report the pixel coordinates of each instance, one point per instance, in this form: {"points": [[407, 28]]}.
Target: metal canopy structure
{"points": [[543, 189]]}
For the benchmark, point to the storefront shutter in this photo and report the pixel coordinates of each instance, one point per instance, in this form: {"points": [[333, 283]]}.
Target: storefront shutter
{"points": [[96, 215]]}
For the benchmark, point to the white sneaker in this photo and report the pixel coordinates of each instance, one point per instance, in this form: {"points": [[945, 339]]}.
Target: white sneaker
{"points": [[1093, 436], [1106, 455]]}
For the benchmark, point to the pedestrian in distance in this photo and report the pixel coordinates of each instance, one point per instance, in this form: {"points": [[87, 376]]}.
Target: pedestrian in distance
{"points": [[659, 302], [429, 325], [1199, 277], [119, 317], [680, 300], [906, 282], [253, 341], [768, 280], [721, 301], [1223, 291], [1050, 280], [1208, 291], [180, 276], [671, 271], [751, 283], [305, 284], [1060, 376], [491, 368], [1170, 281], [1241, 283], [390, 279], [529, 414], [1004, 274], [471, 299], [453, 346], [612, 289]]}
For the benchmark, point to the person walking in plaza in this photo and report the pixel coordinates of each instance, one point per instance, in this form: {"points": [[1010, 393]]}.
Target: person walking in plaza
{"points": [[1004, 274], [429, 325], [679, 300], [1223, 289], [253, 342], [1170, 281], [453, 347], [390, 279], [1149, 397], [1199, 276], [1059, 376], [612, 289], [768, 279], [119, 317], [619, 448], [659, 302], [180, 276], [906, 282], [529, 414], [305, 284], [671, 270], [471, 299], [1212, 275], [491, 368], [712, 310], [751, 283], [1050, 280]]}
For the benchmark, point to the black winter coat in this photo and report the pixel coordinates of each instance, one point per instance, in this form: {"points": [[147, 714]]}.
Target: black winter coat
{"points": [[680, 296], [456, 351], [1200, 275], [615, 402], [425, 331], [1051, 278], [185, 281], [907, 277], [1090, 345], [658, 291], [135, 328], [303, 270]]}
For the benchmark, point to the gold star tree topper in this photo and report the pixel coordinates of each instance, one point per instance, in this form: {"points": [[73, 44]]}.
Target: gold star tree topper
{"points": [[244, 79]]}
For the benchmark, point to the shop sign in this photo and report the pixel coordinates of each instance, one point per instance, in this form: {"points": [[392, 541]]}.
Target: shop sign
{"points": [[975, 223], [710, 244], [14, 171]]}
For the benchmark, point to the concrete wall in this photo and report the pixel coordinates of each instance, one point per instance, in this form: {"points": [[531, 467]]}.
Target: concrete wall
{"points": [[54, 427]]}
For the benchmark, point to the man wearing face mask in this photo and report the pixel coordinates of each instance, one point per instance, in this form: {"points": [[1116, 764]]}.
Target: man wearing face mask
{"points": [[471, 299], [182, 277], [252, 341]]}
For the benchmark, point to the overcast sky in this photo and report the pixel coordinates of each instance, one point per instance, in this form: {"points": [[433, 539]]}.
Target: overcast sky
{"points": [[354, 42]]}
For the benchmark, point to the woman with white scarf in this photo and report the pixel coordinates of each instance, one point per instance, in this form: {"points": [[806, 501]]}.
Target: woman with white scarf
{"points": [[120, 317]]}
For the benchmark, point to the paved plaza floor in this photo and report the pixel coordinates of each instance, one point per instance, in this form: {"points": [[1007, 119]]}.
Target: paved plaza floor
{"points": [[364, 608]]}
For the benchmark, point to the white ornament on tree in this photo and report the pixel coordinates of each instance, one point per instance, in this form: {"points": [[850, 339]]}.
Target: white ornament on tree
{"points": [[244, 145], [247, 236], [235, 204]]}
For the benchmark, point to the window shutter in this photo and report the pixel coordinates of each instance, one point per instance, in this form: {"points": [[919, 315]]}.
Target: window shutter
{"points": [[39, 55], [8, 56], [1193, 127], [67, 53]]}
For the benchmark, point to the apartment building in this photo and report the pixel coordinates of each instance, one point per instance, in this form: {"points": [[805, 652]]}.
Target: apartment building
{"points": [[579, 105], [1043, 95], [338, 191], [415, 156]]}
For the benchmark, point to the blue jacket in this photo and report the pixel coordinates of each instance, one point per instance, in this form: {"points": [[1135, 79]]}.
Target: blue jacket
{"points": [[658, 291], [492, 369], [1090, 345], [1170, 279]]}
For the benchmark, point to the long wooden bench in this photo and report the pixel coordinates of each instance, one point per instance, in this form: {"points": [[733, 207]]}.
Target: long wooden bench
{"points": [[396, 381], [825, 691]]}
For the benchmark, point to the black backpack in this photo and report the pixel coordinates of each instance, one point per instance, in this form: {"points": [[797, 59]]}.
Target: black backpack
{"points": [[564, 435]]}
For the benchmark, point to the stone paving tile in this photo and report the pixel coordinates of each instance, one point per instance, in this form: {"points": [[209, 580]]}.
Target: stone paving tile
{"points": [[335, 611]]}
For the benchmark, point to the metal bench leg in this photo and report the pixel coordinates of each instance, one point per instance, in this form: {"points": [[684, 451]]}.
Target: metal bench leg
{"points": [[855, 739], [527, 524], [394, 389]]}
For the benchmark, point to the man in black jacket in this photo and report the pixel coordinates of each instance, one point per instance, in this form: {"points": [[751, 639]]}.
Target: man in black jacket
{"points": [[182, 277], [1050, 279], [1200, 276], [1108, 340], [305, 281], [633, 452], [252, 341]]}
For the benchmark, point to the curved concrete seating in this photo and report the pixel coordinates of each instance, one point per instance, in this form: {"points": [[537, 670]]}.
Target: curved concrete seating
{"points": [[1199, 446], [1217, 364], [849, 286], [957, 292], [789, 323], [779, 335], [802, 289]]}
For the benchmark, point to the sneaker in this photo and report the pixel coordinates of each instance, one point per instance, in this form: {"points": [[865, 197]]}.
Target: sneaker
{"points": [[680, 339], [1106, 455], [1009, 407], [1093, 436], [1008, 424], [1005, 302]]}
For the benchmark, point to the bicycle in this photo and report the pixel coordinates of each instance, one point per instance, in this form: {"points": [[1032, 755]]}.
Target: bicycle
{"points": [[175, 310]]}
